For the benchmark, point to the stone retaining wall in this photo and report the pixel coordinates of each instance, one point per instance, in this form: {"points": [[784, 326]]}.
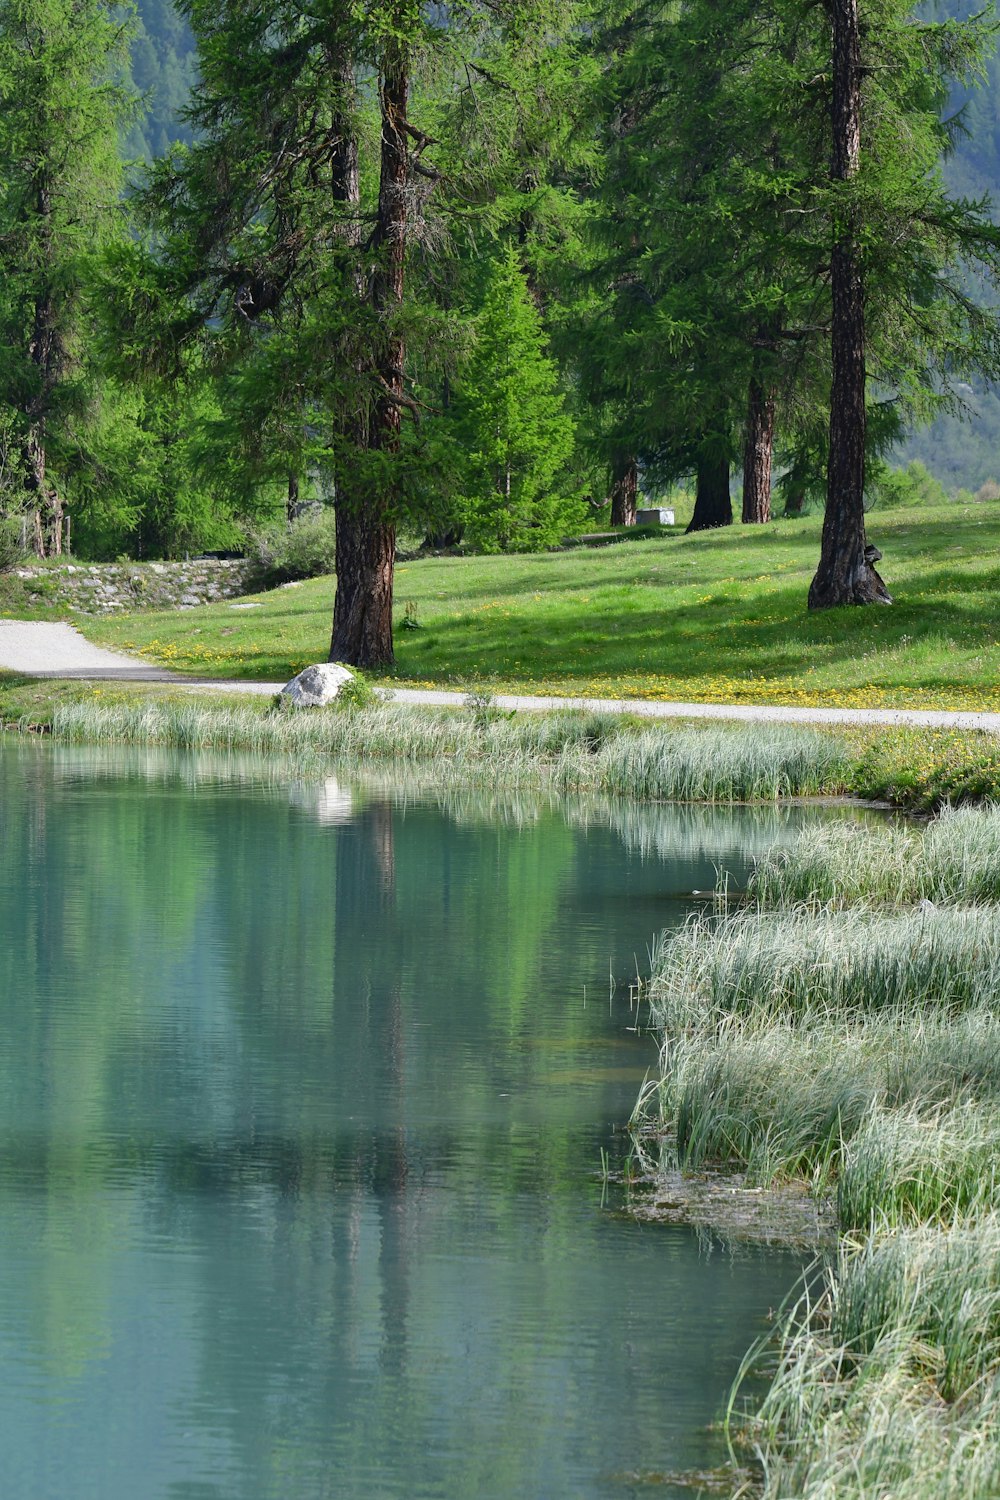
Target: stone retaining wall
{"points": [[104, 588]]}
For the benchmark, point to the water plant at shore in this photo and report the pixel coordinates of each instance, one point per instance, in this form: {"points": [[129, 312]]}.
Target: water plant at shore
{"points": [[955, 859], [887, 1381], [767, 968], [842, 1029], [830, 1103], [568, 751]]}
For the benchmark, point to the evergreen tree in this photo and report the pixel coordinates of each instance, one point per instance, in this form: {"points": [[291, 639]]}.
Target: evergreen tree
{"points": [[704, 319], [728, 251], [513, 424], [59, 161], [898, 241], [297, 236]]}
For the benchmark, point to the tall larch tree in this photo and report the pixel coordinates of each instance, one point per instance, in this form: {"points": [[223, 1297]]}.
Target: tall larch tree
{"points": [[63, 109], [297, 235], [708, 314], [899, 244]]}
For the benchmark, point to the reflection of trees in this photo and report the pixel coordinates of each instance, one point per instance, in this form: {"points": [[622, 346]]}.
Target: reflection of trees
{"points": [[93, 909], [345, 1066], [689, 834]]}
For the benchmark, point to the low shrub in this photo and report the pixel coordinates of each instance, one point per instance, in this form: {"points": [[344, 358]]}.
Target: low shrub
{"points": [[289, 553]]}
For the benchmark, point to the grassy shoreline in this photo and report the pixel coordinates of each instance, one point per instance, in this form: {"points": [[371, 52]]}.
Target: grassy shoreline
{"points": [[840, 1030], [916, 770]]}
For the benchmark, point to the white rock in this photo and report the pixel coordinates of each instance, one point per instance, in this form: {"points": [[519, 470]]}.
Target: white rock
{"points": [[317, 685]]}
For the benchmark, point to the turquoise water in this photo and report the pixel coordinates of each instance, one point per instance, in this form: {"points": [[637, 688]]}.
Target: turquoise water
{"points": [[303, 1090]]}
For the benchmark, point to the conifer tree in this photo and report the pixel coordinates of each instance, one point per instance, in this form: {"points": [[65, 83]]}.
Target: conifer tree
{"points": [[705, 280], [301, 228], [898, 241], [745, 284], [513, 424], [59, 163]]}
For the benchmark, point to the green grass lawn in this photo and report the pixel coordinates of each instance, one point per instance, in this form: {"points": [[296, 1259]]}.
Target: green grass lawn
{"points": [[717, 617]]}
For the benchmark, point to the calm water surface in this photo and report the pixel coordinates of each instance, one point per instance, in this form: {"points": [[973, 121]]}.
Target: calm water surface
{"points": [[303, 1090]]}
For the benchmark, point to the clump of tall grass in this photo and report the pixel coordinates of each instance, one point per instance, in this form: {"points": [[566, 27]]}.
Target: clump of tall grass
{"points": [[859, 1049], [836, 1428], [941, 1288], [775, 1105], [897, 1114], [766, 967], [902, 1167], [725, 764], [567, 751], [955, 859], [887, 1383]]}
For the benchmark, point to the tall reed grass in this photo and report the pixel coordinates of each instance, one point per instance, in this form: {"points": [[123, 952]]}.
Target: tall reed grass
{"points": [[956, 858], [844, 1028], [568, 751], [887, 1384], [897, 1117], [904, 1168], [767, 968]]}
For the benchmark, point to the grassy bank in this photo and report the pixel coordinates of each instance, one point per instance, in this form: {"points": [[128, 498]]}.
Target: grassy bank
{"points": [[568, 752], [689, 761], [956, 858], [715, 617], [842, 1031]]}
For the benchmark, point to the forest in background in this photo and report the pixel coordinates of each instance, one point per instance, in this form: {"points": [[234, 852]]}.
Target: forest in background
{"points": [[164, 67], [962, 452], [486, 273]]}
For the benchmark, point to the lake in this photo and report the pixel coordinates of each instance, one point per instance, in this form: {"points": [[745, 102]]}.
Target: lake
{"points": [[305, 1086]]}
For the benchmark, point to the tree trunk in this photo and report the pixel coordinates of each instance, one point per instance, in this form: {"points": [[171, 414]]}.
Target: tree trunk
{"points": [[292, 507], [344, 169], [365, 551], [46, 507], [712, 505], [624, 489], [757, 451], [44, 353], [366, 532], [846, 574]]}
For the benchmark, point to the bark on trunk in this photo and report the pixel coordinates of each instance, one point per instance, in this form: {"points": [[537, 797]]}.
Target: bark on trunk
{"points": [[757, 453], [365, 552], [344, 169], [366, 532], [292, 507], [846, 574], [624, 490], [45, 354], [46, 507], [712, 505]]}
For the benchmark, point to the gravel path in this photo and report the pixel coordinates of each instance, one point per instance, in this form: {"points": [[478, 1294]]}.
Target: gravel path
{"points": [[43, 649]]}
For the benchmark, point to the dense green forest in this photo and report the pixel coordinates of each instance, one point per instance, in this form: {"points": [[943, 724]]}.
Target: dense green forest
{"points": [[163, 68], [961, 450], [487, 273]]}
